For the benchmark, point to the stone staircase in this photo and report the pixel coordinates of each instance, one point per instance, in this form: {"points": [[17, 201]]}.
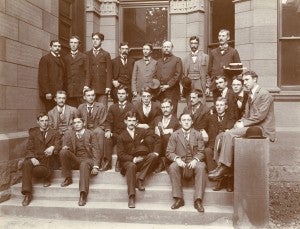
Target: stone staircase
{"points": [[107, 202]]}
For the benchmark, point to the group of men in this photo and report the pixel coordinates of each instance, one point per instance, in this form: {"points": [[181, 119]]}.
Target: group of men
{"points": [[81, 132]]}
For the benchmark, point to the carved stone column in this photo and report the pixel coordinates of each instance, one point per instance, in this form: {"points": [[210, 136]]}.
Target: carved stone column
{"points": [[92, 20]]}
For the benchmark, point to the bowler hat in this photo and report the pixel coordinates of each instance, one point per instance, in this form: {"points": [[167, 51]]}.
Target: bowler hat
{"points": [[254, 132], [40, 171], [154, 84], [234, 69], [186, 83]]}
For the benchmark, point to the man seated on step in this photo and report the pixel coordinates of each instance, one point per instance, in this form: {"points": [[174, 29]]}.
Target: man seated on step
{"points": [[94, 115], [42, 143], [79, 151], [114, 123], [164, 126], [138, 150], [185, 150]]}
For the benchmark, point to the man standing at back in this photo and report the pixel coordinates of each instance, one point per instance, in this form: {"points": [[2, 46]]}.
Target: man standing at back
{"points": [[51, 75]]}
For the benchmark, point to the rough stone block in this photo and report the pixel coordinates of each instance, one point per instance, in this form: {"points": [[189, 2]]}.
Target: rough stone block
{"points": [[33, 36], [285, 173], [8, 74], [265, 51], [50, 23], [111, 47], [264, 34], [2, 48], [2, 5], [92, 17], [179, 44], [194, 28], [243, 20], [178, 30], [265, 67], [181, 55], [264, 17], [4, 195], [4, 148], [178, 18], [4, 176], [8, 120], [264, 4], [242, 6], [288, 120], [245, 51], [268, 81], [242, 36], [108, 21], [27, 118], [195, 17], [42, 4], [89, 28], [8, 26], [109, 32], [25, 11], [55, 7], [27, 77]]}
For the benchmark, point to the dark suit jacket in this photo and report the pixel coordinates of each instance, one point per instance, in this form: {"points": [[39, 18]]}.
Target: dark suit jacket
{"points": [[90, 141], [51, 76], [36, 144], [199, 117], [126, 146], [177, 145], [154, 112], [100, 71], [77, 73], [241, 110], [98, 114], [116, 63], [169, 72]]}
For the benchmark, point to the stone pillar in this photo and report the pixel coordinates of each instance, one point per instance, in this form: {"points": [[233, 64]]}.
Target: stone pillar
{"points": [[251, 183], [92, 21], [256, 38]]}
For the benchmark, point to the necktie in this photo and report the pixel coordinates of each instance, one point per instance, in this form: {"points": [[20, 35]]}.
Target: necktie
{"points": [[90, 110], [147, 61], [44, 134], [96, 51], [186, 136], [122, 106], [124, 60], [240, 98], [60, 111], [220, 118], [78, 135]]}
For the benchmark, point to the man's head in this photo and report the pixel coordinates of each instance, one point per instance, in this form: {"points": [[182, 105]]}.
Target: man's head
{"points": [[194, 43], [60, 98], [55, 47], [97, 39], [224, 36], [221, 83], [89, 95], [130, 120], [147, 49], [196, 97], [146, 95], [124, 48], [43, 121], [250, 80], [167, 48], [122, 93], [186, 121], [237, 84], [166, 107], [74, 43], [78, 123], [221, 105]]}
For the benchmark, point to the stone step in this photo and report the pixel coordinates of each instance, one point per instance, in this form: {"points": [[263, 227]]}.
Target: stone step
{"points": [[144, 213], [118, 193]]}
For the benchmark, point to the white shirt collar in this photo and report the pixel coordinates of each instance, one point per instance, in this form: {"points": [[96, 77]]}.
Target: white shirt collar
{"points": [[53, 54], [253, 90], [224, 92], [81, 132]]}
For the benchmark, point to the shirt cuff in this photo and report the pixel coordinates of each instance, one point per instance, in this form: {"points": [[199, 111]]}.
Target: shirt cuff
{"points": [[96, 167], [175, 158], [197, 159]]}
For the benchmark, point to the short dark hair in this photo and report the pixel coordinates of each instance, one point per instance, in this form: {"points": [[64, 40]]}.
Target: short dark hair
{"points": [[250, 73], [87, 90], [239, 78], [221, 99], [130, 114], [100, 35], [221, 77], [167, 100], [195, 38], [41, 114], [150, 46], [121, 87], [226, 31], [61, 92], [123, 44], [185, 113], [198, 92], [146, 89], [79, 117], [77, 37], [53, 41]]}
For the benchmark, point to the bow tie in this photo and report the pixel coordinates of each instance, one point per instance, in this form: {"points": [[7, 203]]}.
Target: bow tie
{"points": [[194, 54]]}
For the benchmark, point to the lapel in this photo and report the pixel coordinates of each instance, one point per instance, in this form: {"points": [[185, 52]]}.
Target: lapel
{"points": [[39, 135], [77, 57], [255, 95], [73, 136], [100, 54], [57, 60], [95, 109], [182, 139], [48, 136], [84, 111]]}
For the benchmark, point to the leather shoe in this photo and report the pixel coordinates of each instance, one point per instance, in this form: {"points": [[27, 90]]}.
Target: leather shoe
{"points": [[66, 182], [131, 201], [220, 173], [220, 184], [47, 183], [106, 166], [140, 185], [161, 166], [82, 199], [214, 170], [229, 187], [179, 202], [27, 199], [198, 205]]}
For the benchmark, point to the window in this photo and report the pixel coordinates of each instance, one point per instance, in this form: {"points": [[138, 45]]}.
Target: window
{"points": [[289, 41]]}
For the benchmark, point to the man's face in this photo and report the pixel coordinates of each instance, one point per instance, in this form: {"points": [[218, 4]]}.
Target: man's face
{"points": [[146, 51], [124, 50], [249, 82], [43, 122], [55, 48], [166, 109], [74, 44], [221, 84], [96, 41], [237, 86], [60, 99], [130, 122], [194, 45], [195, 99], [78, 124], [186, 121], [89, 97], [122, 95], [167, 48], [146, 98], [223, 38], [220, 107]]}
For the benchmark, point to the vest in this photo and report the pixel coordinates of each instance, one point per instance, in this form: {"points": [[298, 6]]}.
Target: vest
{"points": [[193, 69], [80, 148], [124, 77]]}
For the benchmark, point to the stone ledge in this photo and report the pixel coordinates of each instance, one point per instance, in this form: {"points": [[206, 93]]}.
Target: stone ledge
{"points": [[5, 195]]}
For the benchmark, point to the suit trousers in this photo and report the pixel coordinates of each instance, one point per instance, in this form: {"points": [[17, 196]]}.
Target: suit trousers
{"points": [[70, 161], [101, 142], [226, 153], [209, 159], [175, 173], [29, 170], [144, 168]]}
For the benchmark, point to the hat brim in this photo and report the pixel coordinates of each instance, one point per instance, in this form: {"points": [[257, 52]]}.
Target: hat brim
{"points": [[255, 137]]}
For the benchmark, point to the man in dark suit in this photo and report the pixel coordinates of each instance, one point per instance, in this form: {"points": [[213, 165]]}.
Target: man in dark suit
{"points": [[100, 65], [241, 96], [122, 71], [79, 151], [169, 71], [185, 150], [94, 115], [259, 112], [164, 126], [77, 72], [43, 142], [51, 76], [138, 150]]}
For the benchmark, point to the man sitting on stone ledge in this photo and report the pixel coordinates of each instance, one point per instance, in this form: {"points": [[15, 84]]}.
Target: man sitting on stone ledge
{"points": [[43, 142], [259, 111]]}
